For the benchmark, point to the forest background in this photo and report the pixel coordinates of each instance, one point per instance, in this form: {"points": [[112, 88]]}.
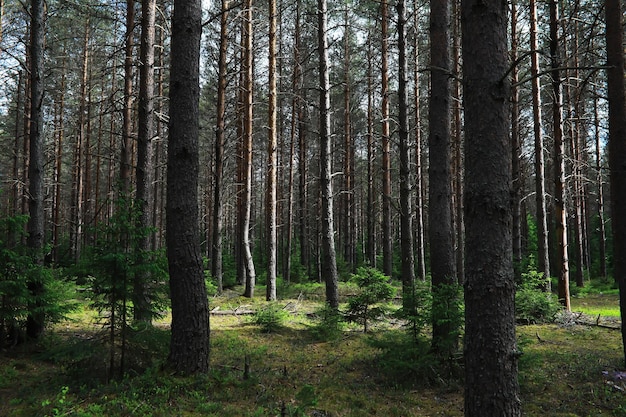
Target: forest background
{"points": [[394, 148]]}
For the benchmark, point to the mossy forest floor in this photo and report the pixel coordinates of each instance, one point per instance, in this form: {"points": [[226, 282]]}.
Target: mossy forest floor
{"points": [[566, 370]]}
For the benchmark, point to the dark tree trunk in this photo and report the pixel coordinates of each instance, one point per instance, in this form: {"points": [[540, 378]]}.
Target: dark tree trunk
{"points": [[127, 127], [145, 157], [516, 147], [406, 212], [387, 242], [617, 148], [328, 257], [218, 204], [189, 346], [543, 261], [442, 260], [36, 320], [491, 387]]}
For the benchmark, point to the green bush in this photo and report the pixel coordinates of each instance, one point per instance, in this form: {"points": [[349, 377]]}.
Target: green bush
{"points": [[373, 289], [329, 324], [270, 318], [532, 303]]}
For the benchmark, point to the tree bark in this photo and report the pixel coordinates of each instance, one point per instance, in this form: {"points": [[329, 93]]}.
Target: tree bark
{"points": [[145, 157], [491, 387], [543, 261], [36, 320], [272, 161], [328, 255], [406, 212], [218, 176], [189, 346], [127, 125], [617, 148], [560, 209], [248, 82], [387, 242], [442, 260], [516, 147]]}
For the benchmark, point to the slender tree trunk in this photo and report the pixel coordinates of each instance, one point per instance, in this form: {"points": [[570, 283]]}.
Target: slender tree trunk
{"points": [[56, 217], [189, 346], [145, 157], [272, 161], [371, 157], [442, 258], [559, 161], [600, 185], [247, 150], [617, 147], [491, 387], [328, 258], [36, 320], [543, 261], [516, 147], [349, 229], [218, 204], [419, 193], [406, 183], [127, 126], [387, 242]]}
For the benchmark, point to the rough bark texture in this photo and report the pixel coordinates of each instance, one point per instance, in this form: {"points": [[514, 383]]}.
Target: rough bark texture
{"points": [[36, 320], [387, 240], [145, 169], [189, 347], [328, 258], [406, 212], [126, 156], [442, 260], [560, 209], [491, 387], [272, 161], [218, 203], [543, 261], [617, 148]]}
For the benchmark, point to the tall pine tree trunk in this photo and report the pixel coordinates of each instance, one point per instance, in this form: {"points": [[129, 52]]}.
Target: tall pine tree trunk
{"points": [[189, 346], [617, 148], [328, 255], [387, 242], [491, 387]]}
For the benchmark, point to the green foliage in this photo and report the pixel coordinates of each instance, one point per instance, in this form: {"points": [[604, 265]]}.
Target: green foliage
{"points": [[329, 324], [373, 289], [532, 303], [449, 312], [405, 361], [417, 309], [270, 318], [18, 271]]}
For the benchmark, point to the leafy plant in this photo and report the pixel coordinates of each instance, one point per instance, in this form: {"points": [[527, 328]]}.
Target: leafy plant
{"points": [[329, 324], [270, 318], [532, 303], [374, 289], [18, 271]]}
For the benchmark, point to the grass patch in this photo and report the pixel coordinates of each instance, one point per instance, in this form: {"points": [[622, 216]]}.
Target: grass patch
{"points": [[605, 305], [292, 372]]}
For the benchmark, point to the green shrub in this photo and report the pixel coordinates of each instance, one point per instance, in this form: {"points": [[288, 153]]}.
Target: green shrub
{"points": [[373, 289], [329, 324], [270, 318], [532, 303]]}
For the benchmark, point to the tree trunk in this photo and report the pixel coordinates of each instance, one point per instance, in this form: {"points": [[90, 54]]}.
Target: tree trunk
{"points": [[559, 161], [600, 185], [387, 242], [442, 260], [419, 194], [145, 157], [406, 212], [189, 346], [491, 387], [349, 209], [617, 148], [371, 156], [516, 147], [250, 275], [127, 126], [218, 203], [36, 319], [328, 256], [272, 162], [543, 261]]}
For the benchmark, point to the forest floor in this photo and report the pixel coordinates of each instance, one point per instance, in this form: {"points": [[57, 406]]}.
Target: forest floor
{"points": [[567, 369]]}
